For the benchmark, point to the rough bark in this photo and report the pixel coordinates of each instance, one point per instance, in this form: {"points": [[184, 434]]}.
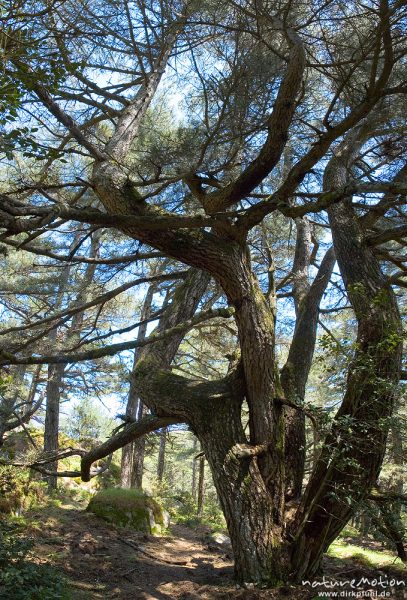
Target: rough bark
{"points": [[194, 470], [139, 448]]}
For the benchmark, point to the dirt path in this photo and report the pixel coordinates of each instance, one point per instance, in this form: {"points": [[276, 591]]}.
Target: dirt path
{"points": [[106, 562], [103, 561]]}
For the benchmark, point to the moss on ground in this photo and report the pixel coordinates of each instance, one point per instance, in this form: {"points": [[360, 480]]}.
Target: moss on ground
{"points": [[370, 558]]}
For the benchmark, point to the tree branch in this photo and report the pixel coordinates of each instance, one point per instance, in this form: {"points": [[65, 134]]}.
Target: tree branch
{"points": [[7, 358], [130, 433], [277, 125]]}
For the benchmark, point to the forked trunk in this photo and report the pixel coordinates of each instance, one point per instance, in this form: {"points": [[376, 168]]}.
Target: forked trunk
{"points": [[259, 552]]}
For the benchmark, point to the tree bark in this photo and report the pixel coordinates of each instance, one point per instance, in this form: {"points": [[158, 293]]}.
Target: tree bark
{"points": [[139, 448]]}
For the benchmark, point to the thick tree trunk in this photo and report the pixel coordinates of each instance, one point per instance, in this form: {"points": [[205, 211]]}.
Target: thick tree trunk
{"points": [[51, 429], [247, 476], [255, 322], [260, 554], [249, 473]]}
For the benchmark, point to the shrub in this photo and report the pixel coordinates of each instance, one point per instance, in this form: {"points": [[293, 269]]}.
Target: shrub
{"points": [[18, 490], [22, 579]]}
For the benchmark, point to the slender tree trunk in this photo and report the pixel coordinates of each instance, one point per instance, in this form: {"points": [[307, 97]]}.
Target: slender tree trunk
{"points": [[7, 403], [132, 462], [294, 375], [201, 486], [56, 372], [390, 521], [51, 430], [194, 469], [139, 448], [161, 455]]}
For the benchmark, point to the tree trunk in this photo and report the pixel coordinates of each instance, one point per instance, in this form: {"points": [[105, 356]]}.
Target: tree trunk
{"points": [[260, 554], [51, 429], [139, 448], [194, 469], [201, 487], [7, 403], [390, 522], [161, 455], [294, 375], [249, 473], [352, 455], [132, 463]]}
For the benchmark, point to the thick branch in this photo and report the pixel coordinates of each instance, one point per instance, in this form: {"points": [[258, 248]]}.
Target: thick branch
{"points": [[395, 233], [130, 433]]}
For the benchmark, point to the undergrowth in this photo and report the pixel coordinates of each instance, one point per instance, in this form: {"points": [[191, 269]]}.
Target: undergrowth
{"points": [[21, 578]]}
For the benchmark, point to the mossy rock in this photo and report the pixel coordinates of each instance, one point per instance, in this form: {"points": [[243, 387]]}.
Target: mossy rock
{"points": [[129, 508]]}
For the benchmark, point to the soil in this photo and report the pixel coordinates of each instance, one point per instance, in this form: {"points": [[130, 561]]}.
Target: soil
{"points": [[106, 562]]}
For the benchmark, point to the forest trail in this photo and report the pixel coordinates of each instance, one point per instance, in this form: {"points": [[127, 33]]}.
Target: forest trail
{"points": [[105, 562]]}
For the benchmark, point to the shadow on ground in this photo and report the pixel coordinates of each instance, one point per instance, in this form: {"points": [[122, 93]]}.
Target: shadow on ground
{"points": [[110, 563]]}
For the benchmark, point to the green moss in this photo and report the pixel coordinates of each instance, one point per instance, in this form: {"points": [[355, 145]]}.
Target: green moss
{"points": [[128, 508], [371, 558]]}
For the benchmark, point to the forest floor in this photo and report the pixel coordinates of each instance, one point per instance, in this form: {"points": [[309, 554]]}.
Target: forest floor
{"points": [[104, 562]]}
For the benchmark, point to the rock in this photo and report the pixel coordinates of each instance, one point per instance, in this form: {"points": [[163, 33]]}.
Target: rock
{"points": [[167, 519], [129, 508], [221, 538]]}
